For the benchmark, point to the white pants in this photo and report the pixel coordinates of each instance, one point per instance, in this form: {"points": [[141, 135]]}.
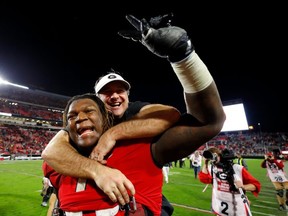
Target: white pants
{"points": [[165, 171]]}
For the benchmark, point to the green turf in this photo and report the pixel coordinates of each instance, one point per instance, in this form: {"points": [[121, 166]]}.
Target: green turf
{"points": [[21, 183], [20, 186]]}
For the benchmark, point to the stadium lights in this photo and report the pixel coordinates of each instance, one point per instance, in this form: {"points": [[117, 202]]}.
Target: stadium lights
{"points": [[236, 119], [5, 114], [5, 82]]}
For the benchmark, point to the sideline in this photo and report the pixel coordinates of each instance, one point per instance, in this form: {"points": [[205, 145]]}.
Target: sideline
{"points": [[192, 208]]}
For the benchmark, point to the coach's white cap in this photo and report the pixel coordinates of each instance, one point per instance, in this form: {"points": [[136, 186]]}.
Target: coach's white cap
{"points": [[110, 78]]}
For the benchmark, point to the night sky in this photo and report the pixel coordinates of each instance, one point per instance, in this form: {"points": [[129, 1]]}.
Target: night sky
{"points": [[64, 47]]}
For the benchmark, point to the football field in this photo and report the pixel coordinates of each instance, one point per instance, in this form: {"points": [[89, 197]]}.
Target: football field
{"points": [[21, 183]]}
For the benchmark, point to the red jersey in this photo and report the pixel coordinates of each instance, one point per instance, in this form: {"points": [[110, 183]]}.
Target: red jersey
{"points": [[133, 158]]}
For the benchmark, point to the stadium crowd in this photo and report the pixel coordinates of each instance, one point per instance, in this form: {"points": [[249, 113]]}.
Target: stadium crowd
{"points": [[28, 120]]}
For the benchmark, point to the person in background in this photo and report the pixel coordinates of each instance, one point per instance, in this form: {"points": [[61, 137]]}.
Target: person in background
{"points": [[275, 170], [241, 161], [198, 84], [175, 163], [182, 162], [230, 183], [191, 165], [47, 190], [196, 161], [166, 170]]}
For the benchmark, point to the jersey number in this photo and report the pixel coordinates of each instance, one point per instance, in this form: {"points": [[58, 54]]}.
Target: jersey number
{"points": [[225, 208]]}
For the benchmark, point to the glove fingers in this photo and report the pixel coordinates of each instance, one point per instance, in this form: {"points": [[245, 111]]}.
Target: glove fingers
{"points": [[134, 35], [135, 22], [161, 21]]}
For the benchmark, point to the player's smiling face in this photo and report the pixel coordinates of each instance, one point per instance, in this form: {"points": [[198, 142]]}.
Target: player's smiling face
{"points": [[85, 123]]}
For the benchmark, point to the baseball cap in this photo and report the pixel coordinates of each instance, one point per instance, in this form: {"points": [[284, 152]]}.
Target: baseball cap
{"points": [[110, 78]]}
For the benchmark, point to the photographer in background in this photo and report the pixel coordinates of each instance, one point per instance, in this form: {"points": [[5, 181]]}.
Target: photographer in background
{"points": [[275, 170], [230, 182]]}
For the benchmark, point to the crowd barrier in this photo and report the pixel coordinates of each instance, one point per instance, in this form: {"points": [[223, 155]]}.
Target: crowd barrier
{"points": [[25, 157]]}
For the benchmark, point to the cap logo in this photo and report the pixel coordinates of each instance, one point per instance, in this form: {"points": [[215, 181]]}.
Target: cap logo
{"points": [[111, 76]]}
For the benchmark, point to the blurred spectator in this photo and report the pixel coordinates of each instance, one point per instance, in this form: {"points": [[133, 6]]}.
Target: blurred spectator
{"points": [[47, 190], [196, 161], [165, 170], [241, 161]]}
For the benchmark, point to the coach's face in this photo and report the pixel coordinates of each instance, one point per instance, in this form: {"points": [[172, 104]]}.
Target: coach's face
{"points": [[115, 97], [85, 123]]}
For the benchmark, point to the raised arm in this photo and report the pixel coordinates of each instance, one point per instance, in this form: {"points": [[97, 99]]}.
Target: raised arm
{"points": [[201, 95], [192, 132]]}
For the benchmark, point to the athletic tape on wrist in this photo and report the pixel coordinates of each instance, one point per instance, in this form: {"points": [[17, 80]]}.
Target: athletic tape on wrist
{"points": [[192, 73]]}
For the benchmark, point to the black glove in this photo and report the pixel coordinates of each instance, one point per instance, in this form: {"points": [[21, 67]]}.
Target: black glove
{"points": [[160, 37]]}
